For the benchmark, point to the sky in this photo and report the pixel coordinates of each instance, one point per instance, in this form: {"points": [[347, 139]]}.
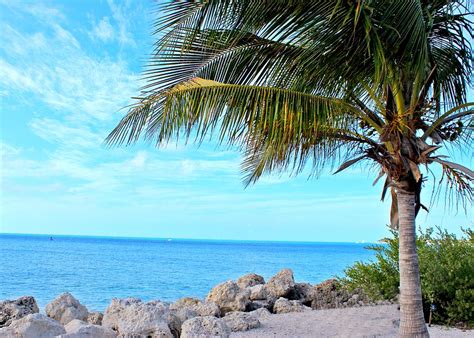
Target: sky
{"points": [[67, 69]]}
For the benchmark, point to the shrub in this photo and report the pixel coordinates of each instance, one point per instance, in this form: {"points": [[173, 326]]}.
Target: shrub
{"points": [[446, 272]]}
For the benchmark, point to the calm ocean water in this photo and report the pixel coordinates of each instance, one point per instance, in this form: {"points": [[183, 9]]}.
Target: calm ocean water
{"points": [[97, 269]]}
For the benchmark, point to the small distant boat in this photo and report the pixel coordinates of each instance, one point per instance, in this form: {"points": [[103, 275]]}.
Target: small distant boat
{"points": [[169, 239], [51, 238]]}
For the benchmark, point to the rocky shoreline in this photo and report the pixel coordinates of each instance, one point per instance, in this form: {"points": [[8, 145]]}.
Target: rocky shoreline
{"points": [[232, 306]]}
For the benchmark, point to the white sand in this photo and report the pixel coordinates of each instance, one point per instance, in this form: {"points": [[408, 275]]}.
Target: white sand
{"points": [[368, 321]]}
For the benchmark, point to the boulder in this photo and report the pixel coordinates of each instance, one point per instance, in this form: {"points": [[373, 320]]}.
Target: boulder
{"points": [[132, 317], [302, 292], [229, 297], [258, 292], [177, 317], [261, 313], [241, 321], [202, 309], [249, 280], [11, 310], [205, 327], [79, 329], [66, 308], [95, 318], [33, 326], [283, 305], [260, 304], [281, 285], [330, 295]]}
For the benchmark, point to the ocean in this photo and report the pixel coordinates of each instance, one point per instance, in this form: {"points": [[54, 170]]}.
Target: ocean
{"points": [[97, 269]]}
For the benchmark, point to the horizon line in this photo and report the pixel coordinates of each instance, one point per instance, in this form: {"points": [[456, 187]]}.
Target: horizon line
{"points": [[181, 238]]}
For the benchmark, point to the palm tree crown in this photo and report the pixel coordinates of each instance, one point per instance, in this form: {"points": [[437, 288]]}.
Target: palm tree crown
{"points": [[325, 81]]}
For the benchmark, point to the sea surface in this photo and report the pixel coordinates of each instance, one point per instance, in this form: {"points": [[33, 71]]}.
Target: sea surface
{"points": [[97, 269]]}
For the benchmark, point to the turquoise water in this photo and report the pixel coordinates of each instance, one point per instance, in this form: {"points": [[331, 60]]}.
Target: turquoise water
{"points": [[97, 269]]}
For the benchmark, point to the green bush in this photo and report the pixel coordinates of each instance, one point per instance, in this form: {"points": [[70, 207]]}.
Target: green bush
{"points": [[446, 272]]}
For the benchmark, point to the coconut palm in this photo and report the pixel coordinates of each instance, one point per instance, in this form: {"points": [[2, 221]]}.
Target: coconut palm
{"points": [[311, 83]]}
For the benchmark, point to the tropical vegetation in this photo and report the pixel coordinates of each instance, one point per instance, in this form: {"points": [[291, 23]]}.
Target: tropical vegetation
{"points": [[446, 270], [302, 84]]}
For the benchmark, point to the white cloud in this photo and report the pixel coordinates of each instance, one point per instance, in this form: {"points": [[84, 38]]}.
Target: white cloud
{"points": [[103, 30], [120, 17]]}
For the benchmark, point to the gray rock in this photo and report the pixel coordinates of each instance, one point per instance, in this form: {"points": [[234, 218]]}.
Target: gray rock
{"points": [[249, 280], [95, 318], [260, 304], [241, 321], [330, 295], [261, 313], [177, 317], [281, 285], [302, 292], [66, 308], [283, 305], [33, 326], [79, 329], [201, 308], [229, 297], [205, 327], [132, 317], [258, 292], [11, 310]]}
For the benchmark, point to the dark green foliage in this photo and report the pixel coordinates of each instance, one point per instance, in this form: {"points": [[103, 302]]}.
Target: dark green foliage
{"points": [[446, 272]]}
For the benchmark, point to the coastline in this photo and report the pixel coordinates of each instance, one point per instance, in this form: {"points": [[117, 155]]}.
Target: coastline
{"points": [[247, 307]]}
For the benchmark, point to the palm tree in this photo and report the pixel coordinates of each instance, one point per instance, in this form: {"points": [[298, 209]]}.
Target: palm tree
{"points": [[321, 81]]}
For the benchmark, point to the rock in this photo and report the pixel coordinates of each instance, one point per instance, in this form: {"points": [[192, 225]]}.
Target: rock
{"points": [[33, 326], [330, 294], [229, 297], [177, 317], [241, 321], [281, 284], [259, 304], [79, 329], [66, 308], [258, 292], [261, 313], [302, 292], [11, 310], [202, 309], [95, 318], [132, 317], [283, 305], [205, 327], [249, 280]]}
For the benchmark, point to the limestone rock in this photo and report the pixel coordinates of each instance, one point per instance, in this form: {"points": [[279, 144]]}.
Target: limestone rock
{"points": [[282, 284], [330, 294], [11, 310], [229, 297], [202, 309], [79, 329], [261, 313], [258, 292], [66, 308], [33, 326], [283, 305], [132, 317], [260, 304], [241, 321], [205, 327], [95, 318], [302, 292], [177, 317], [249, 280]]}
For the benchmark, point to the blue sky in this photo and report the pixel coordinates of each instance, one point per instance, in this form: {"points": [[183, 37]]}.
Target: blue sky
{"points": [[66, 70]]}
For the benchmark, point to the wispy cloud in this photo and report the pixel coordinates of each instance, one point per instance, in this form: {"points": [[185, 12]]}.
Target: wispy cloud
{"points": [[103, 30]]}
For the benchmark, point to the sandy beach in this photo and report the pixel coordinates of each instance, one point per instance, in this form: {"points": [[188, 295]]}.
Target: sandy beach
{"points": [[367, 321]]}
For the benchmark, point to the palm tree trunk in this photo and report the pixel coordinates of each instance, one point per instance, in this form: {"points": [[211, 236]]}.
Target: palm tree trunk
{"points": [[412, 321]]}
